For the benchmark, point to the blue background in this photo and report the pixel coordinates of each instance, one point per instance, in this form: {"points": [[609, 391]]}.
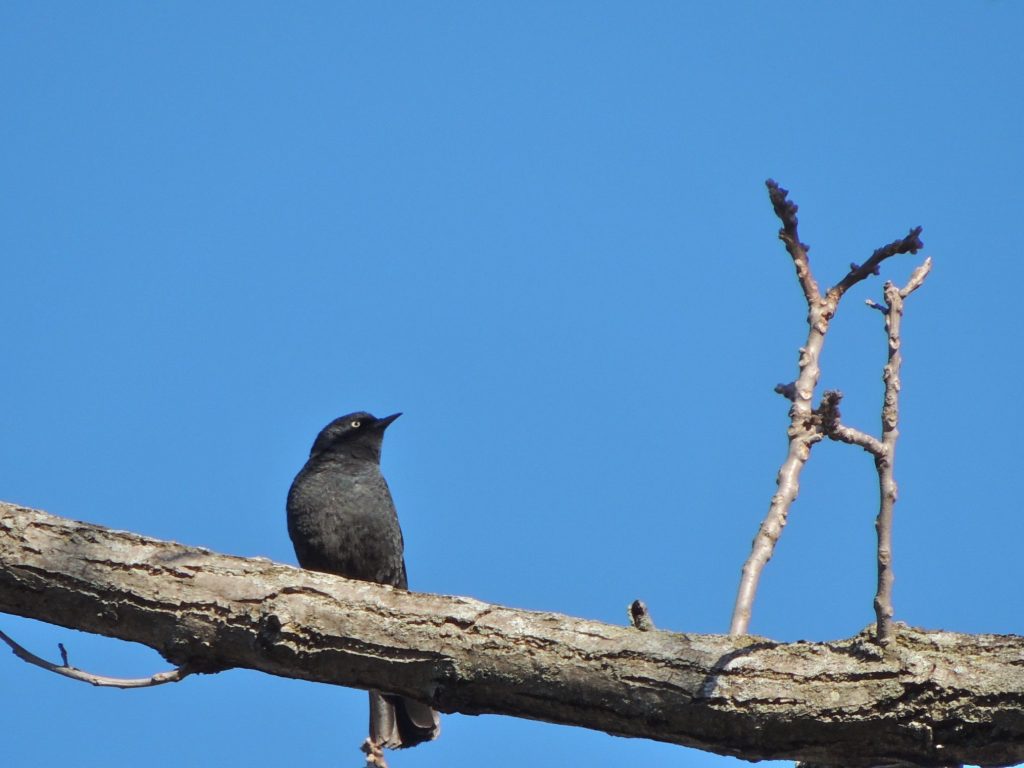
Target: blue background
{"points": [[541, 231]]}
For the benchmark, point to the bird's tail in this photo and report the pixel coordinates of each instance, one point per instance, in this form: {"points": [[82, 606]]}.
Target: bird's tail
{"points": [[397, 722]]}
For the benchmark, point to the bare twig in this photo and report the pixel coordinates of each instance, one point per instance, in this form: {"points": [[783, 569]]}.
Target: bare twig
{"points": [[804, 425], [170, 676], [887, 488]]}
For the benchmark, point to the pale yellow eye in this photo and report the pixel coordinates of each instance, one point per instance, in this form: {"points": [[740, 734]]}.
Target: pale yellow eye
{"points": [[355, 424]]}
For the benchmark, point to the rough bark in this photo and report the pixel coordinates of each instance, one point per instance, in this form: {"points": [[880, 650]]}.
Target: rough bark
{"points": [[930, 698]]}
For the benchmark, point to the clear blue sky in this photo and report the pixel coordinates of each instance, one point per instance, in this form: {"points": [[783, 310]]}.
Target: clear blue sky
{"points": [[541, 231]]}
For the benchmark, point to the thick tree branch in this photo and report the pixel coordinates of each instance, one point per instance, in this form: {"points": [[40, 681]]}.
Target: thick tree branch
{"points": [[930, 698]]}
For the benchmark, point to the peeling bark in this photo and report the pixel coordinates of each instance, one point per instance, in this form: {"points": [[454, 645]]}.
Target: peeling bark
{"points": [[930, 698]]}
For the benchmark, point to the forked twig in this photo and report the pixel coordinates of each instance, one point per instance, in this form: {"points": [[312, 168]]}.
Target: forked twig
{"points": [[804, 423]]}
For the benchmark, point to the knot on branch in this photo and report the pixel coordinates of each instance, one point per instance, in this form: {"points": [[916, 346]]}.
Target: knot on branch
{"points": [[639, 616], [829, 417]]}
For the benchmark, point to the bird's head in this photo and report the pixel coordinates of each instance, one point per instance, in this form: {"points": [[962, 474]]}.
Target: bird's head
{"points": [[357, 434]]}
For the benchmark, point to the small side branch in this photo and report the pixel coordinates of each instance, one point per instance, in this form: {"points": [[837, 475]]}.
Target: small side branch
{"points": [[909, 244], [834, 429], [160, 678]]}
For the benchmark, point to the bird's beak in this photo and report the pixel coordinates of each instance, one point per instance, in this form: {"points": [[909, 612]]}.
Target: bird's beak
{"points": [[383, 423]]}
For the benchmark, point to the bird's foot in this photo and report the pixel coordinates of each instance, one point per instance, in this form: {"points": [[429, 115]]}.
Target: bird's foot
{"points": [[374, 754]]}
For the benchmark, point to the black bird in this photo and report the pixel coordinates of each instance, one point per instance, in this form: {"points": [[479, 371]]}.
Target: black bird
{"points": [[342, 520]]}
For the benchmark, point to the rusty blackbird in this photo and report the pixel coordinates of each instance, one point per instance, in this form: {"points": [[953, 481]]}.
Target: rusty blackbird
{"points": [[342, 520]]}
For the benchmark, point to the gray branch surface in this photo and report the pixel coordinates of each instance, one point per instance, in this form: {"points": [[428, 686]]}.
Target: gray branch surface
{"points": [[930, 698]]}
